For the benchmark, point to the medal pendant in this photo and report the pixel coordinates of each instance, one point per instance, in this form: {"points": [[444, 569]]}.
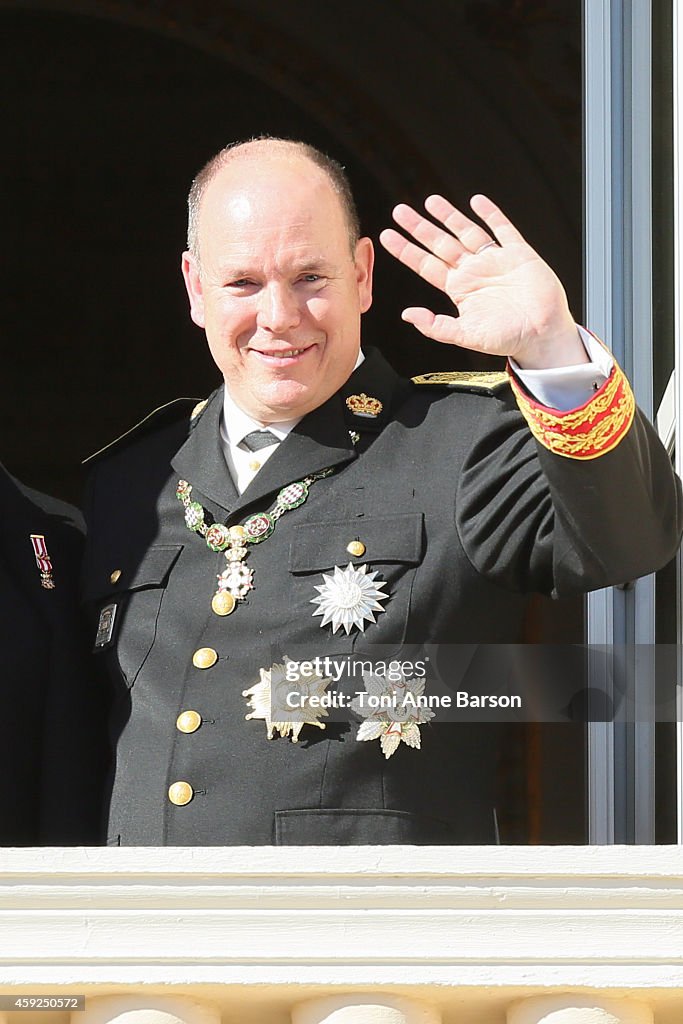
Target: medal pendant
{"points": [[43, 561], [237, 580]]}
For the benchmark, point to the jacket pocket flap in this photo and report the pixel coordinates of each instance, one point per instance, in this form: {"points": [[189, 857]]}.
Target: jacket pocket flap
{"points": [[317, 546], [359, 827], [149, 570]]}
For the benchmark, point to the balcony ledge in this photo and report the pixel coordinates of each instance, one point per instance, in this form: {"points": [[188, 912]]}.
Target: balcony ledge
{"points": [[464, 923]]}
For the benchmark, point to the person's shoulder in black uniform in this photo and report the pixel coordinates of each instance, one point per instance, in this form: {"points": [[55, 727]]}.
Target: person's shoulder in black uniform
{"points": [[54, 750]]}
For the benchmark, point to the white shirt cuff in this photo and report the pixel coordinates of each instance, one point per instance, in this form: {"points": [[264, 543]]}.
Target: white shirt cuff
{"points": [[568, 387]]}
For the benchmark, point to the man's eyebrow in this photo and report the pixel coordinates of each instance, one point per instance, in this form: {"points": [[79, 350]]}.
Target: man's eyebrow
{"points": [[315, 263], [236, 273]]}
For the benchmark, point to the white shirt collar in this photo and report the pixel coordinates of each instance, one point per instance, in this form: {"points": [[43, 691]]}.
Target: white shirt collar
{"points": [[236, 424]]}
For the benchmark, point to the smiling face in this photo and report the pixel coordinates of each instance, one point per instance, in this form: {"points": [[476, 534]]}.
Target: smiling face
{"points": [[278, 291]]}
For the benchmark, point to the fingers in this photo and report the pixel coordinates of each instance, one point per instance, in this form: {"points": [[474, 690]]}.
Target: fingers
{"points": [[443, 249], [429, 267], [438, 327], [472, 236], [459, 255], [441, 243], [496, 221], [464, 236], [468, 231]]}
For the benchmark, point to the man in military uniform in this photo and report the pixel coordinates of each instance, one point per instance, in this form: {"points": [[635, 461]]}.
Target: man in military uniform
{"points": [[318, 505], [52, 756]]}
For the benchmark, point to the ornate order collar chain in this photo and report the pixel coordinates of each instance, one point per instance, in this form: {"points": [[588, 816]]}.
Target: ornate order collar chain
{"points": [[237, 579]]}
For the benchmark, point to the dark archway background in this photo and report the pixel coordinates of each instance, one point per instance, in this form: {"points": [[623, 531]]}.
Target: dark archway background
{"points": [[111, 106]]}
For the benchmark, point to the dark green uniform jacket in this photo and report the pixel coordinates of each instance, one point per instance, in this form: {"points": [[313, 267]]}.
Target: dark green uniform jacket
{"points": [[53, 746], [459, 510]]}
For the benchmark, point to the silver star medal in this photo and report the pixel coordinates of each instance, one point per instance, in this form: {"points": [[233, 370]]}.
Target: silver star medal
{"points": [[268, 698], [398, 715], [349, 597]]}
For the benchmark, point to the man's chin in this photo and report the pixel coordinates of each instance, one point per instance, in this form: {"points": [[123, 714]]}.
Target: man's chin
{"points": [[287, 400]]}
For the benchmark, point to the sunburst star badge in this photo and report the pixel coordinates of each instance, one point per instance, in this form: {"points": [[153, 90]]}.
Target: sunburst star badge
{"points": [[268, 699], [393, 711], [348, 598]]}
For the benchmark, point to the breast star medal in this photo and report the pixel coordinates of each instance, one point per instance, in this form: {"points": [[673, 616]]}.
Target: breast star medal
{"points": [[348, 598], [43, 561], [392, 712], [282, 687]]}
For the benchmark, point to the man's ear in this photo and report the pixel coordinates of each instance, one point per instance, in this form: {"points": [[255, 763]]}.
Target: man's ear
{"points": [[193, 283], [365, 261]]}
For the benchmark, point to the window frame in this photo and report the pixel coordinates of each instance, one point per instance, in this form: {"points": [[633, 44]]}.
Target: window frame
{"points": [[619, 307]]}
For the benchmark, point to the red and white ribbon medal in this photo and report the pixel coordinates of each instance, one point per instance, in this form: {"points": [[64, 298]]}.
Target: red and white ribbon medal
{"points": [[43, 561]]}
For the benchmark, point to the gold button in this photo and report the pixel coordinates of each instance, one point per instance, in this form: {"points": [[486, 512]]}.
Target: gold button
{"points": [[237, 533], [356, 547], [188, 721], [205, 657], [180, 793], [254, 465], [115, 576], [223, 603]]}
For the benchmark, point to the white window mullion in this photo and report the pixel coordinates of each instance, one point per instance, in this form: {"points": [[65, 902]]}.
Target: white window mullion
{"points": [[599, 157], [618, 262]]}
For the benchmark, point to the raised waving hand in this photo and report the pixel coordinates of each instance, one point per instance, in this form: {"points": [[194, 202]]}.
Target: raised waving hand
{"points": [[509, 301]]}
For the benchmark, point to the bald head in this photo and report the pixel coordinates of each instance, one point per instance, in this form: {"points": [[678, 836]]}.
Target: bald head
{"points": [[280, 290], [264, 151]]}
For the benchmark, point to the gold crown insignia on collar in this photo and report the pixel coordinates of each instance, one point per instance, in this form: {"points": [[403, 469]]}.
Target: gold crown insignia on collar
{"points": [[364, 405]]}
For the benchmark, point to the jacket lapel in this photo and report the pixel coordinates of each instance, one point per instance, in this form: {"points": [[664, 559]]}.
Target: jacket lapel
{"points": [[201, 461]]}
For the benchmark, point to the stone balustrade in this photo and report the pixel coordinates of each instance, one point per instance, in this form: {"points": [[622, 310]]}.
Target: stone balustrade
{"points": [[365, 935]]}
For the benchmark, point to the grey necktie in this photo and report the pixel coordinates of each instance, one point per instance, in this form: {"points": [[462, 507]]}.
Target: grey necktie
{"points": [[258, 439]]}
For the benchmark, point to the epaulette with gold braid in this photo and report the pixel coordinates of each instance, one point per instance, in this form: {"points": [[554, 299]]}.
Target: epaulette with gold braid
{"points": [[480, 381]]}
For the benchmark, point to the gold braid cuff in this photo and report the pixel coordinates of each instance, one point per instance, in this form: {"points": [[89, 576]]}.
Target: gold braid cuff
{"points": [[588, 432]]}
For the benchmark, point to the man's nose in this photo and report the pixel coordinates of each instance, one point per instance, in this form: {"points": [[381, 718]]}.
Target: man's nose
{"points": [[278, 308]]}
